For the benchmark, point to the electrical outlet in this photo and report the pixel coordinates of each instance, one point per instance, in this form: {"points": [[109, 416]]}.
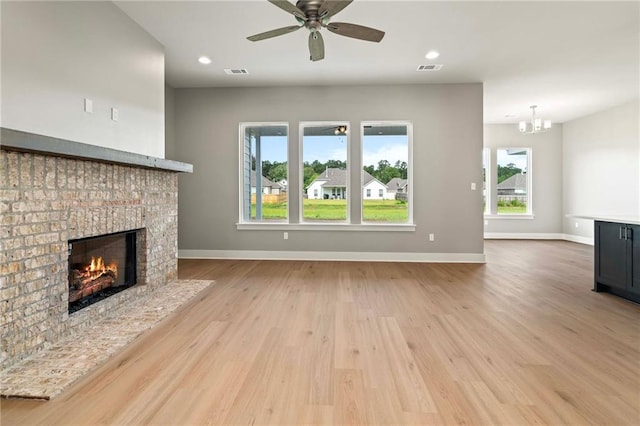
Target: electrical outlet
{"points": [[577, 225], [114, 114], [432, 237], [88, 105], [286, 236]]}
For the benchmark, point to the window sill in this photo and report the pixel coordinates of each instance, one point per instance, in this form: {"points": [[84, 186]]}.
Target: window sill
{"points": [[368, 227], [509, 216]]}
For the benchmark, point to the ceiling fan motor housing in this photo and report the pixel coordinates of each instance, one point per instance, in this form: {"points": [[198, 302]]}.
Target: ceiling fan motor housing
{"points": [[311, 9]]}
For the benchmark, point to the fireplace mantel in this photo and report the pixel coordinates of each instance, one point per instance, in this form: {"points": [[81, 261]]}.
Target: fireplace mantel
{"points": [[14, 140]]}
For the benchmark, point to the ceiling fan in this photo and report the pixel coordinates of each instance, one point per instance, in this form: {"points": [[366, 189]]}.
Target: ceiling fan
{"points": [[314, 15]]}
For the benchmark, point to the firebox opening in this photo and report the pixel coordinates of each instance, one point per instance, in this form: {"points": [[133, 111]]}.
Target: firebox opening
{"points": [[100, 267]]}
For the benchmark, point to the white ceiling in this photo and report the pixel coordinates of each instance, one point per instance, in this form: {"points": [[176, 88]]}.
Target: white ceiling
{"points": [[569, 58]]}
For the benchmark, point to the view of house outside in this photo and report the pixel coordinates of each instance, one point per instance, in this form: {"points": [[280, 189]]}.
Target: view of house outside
{"points": [[325, 189], [325, 174]]}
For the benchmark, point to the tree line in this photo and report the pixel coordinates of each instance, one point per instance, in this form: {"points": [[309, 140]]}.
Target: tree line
{"points": [[505, 172], [383, 171]]}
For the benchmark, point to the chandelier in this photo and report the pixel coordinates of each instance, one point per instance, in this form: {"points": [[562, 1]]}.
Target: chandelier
{"points": [[536, 125]]}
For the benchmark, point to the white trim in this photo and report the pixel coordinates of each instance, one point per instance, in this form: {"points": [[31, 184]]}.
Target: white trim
{"points": [[522, 236], [537, 236], [307, 226], [334, 256], [578, 239]]}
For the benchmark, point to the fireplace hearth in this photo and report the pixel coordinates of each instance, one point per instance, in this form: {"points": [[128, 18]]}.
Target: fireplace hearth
{"points": [[100, 267]]}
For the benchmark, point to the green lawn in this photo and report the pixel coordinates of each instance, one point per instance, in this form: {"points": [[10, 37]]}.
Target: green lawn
{"points": [[373, 210], [325, 209], [512, 209], [385, 211], [271, 211]]}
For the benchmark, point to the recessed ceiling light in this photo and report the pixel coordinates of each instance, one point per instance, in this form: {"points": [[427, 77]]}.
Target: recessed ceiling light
{"points": [[204, 60], [432, 54]]}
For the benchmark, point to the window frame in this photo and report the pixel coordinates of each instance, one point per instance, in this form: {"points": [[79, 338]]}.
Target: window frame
{"points": [[348, 225], [487, 181], [493, 173], [301, 127], [409, 125], [241, 199]]}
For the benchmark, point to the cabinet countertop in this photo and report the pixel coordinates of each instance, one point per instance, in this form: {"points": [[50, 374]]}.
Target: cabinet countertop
{"points": [[632, 220]]}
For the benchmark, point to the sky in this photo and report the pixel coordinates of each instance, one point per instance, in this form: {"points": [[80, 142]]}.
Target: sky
{"points": [[503, 159], [323, 148]]}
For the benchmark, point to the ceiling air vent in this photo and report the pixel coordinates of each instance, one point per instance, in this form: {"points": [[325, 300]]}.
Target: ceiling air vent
{"points": [[237, 71], [430, 67]]}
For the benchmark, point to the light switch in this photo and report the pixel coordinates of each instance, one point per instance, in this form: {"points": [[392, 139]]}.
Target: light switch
{"points": [[473, 186], [88, 105], [114, 114]]}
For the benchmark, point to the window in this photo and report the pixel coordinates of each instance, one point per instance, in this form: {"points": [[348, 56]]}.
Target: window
{"points": [[486, 160], [325, 172], [513, 183], [386, 159], [263, 172]]}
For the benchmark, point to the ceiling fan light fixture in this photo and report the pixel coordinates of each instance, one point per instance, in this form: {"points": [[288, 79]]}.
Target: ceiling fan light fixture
{"points": [[340, 130]]}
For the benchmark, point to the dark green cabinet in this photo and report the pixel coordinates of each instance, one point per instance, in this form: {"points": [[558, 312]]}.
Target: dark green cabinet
{"points": [[617, 259]]}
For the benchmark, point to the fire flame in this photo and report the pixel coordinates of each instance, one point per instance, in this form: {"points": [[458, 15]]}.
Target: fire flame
{"points": [[97, 267]]}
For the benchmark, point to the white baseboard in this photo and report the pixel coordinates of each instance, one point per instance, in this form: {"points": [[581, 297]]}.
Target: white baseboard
{"points": [[334, 255], [578, 239], [537, 236], [522, 236]]}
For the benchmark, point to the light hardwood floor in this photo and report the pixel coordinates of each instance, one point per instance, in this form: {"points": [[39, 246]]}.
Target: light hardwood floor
{"points": [[519, 340]]}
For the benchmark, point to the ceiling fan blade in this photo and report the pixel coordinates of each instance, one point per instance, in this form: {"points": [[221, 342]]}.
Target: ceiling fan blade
{"points": [[274, 33], [316, 46], [285, 5], [331, 7], [355, 31]]}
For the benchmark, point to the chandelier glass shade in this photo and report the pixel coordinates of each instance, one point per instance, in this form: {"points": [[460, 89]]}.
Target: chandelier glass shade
{"points": [[536, 125]]}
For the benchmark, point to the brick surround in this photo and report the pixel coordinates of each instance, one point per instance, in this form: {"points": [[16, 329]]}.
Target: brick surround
{"points": [[46, 200]]}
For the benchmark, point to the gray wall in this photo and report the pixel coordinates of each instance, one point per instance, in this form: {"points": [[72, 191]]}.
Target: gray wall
{"points": [[447, 124], [601, 168], [55, 54], [547, 178], [169, 121]]}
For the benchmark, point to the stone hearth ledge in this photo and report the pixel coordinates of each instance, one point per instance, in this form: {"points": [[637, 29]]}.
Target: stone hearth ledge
{"points": [[50, 371], [14, 140]]}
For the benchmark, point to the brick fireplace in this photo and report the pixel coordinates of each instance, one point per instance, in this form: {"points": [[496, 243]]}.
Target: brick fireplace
{"points": [[53, 192]]}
